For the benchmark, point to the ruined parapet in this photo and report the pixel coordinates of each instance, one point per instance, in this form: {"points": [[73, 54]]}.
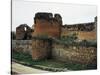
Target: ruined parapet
{"points": [[43, 16], [58, 18], [80, 27], [85, 31], [46, 24], [23, 32], [20, 32]]}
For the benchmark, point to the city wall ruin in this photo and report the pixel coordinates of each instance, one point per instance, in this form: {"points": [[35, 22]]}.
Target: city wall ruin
{"points": [[47, 31]]}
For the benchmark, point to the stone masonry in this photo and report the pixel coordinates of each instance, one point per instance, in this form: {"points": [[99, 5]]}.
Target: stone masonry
{"points": [[39, 43], [45, 26]]}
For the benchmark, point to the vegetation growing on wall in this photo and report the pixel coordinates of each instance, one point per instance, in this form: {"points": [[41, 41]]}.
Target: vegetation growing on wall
{"points": [[87, 43], [72, 39]]}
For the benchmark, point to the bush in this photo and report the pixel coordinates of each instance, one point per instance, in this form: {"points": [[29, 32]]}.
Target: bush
{"points": [[87, 43], [69, 39]]}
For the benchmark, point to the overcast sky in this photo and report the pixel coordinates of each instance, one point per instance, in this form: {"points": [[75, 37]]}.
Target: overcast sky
{"points": [[24, 11]]}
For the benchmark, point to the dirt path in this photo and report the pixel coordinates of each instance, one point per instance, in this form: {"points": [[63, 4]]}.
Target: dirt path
{"points": [[21, 69]]}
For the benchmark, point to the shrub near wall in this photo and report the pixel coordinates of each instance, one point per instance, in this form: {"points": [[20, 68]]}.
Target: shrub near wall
{"points": [[73, 54]]}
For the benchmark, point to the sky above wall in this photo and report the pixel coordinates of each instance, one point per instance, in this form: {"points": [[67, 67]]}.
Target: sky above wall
{"points": [[23, 12]]}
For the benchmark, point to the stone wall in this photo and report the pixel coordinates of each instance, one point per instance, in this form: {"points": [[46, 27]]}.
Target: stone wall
{"points": [[24, 46], [74, 54], [23, 32], [80, 27], [41, 48], [46, 48], [46, 24], [82, 35], [20, 32], [85, 31]]}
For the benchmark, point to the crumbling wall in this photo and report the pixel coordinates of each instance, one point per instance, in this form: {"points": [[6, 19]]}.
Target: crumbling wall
{"points": [[82, 35], [73, 54], [47, 25], [84, 31], [20, 32], [80, 27], [46, 48], [24, 46], [41, 48], [23, 32]]}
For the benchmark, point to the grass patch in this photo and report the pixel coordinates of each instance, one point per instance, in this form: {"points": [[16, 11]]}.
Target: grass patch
{"points": [[49, 64]]}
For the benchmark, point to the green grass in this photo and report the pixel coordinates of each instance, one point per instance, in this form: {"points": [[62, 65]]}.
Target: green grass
{"points": [[27, 60]]}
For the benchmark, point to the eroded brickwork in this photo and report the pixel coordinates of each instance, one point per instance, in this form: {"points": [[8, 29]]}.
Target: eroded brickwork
{"points": [[20, 32], [41, 49], [73, 54], [84, 31], [23, 32], [47, 25], [24, 46]]}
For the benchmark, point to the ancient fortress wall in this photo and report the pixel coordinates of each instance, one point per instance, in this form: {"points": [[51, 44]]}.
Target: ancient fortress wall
{"points": [[37, 47], [47, 25], [46, 28], [20, 32], [43, 49], [84, 31], [23, 32], [24, 46], [74, 54], [82, 35]]}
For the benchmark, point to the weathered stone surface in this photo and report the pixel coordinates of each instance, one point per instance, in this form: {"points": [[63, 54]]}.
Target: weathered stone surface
{"points": [[58, 18], [73, 54], [45, 16], [20, 32], [80, 27], [23, 32], [82, 35], [84, 31], [41, 49], [24, 46], [47, 25]]}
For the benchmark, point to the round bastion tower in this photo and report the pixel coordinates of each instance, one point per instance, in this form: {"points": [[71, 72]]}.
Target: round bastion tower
{"points": [[45, 25]]}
